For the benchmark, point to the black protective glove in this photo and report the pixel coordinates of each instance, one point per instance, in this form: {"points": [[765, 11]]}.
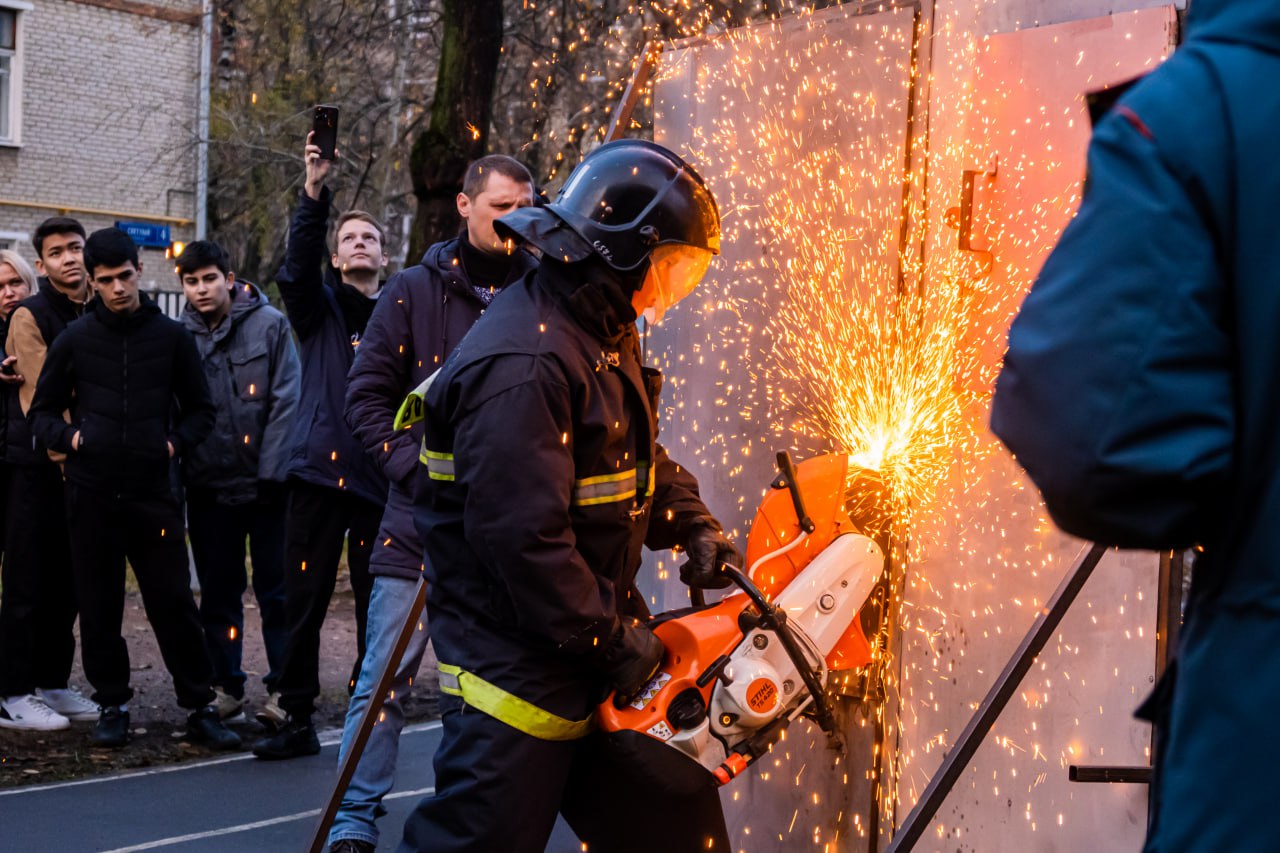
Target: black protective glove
{"points": [[708, 550], [630, 659]]}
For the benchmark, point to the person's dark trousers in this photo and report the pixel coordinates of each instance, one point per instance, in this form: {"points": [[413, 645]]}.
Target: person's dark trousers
{"points": [[500, 789], [316, 523], [5, 477], [107, 529], [38, 610], [218, 533]]}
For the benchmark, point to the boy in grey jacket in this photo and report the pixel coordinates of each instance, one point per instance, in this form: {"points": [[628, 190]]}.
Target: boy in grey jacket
{"points": [[235, 478]]}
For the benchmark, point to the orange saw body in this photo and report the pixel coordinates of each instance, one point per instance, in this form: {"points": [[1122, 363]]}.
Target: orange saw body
{"points": [[737, 672]]}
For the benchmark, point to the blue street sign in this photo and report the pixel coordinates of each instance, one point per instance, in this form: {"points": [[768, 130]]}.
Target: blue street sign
{"points": [[146, 234]]}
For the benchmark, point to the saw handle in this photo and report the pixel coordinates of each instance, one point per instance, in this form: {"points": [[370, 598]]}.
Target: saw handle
{"points": [[698, 596], [774, 619]]}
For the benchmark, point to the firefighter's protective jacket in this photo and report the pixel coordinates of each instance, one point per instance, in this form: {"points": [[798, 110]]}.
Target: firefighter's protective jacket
{"points": [[1141, 393], [542, 480]]}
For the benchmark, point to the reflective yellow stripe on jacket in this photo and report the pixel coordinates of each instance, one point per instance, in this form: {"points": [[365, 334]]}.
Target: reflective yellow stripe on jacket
{"points": [[589, 491], [439, 465], [509, 708], [611, 488]]}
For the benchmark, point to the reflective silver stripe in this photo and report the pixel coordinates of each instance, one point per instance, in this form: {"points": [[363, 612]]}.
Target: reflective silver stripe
{"points": [[605, 488], [612, 488], [439, 465]]}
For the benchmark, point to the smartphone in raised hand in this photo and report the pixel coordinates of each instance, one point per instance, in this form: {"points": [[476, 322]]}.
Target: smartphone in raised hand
{"points": [[324, 126]]}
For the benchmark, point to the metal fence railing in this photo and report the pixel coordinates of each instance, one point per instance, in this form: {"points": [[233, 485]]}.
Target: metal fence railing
{"points": [[171, 302]]}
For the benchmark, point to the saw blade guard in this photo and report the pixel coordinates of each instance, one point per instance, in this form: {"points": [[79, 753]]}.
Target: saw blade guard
{"points": [[779, 548], [728, 685]]}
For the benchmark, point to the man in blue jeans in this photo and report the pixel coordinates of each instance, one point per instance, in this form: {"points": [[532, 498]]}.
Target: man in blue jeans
{"points": [[422, 315]]}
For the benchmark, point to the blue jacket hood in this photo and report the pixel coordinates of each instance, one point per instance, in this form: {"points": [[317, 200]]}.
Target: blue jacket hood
{"points": [[1251, 22]]}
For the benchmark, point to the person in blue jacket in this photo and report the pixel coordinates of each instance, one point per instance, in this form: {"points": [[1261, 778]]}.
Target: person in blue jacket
{"points": [[422, 315], [336, 491], [1140, 393]]}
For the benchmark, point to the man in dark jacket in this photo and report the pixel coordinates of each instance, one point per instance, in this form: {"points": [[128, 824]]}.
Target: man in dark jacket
{"points": [[543, 481], [235, 477], [122, 370], [39, 611], [1140, 393], [422, 315], [336, 491]]}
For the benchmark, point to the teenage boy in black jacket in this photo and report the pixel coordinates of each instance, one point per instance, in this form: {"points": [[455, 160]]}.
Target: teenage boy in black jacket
{"points": [[120, 369]]}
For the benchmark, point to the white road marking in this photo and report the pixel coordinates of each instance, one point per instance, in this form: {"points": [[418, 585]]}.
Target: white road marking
{"points": [[328, 738], [248, 827]]}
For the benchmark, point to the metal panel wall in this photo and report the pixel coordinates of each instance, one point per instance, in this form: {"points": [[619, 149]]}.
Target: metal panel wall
{"points": [[984, 569], [798, 128]]}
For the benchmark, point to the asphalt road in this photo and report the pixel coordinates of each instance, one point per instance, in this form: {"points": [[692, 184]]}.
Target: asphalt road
{"points": [[235, 803]]}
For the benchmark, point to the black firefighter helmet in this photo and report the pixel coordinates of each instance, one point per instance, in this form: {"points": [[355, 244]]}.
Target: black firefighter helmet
{"points": [[625, 199]]}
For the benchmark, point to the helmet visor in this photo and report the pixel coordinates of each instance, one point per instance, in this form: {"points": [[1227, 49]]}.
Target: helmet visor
{"points": [[674, 271]]}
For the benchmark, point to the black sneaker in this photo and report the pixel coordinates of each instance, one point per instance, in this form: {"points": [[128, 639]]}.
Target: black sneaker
{"points": [[204, 726], [112, 729], [295, 739]]}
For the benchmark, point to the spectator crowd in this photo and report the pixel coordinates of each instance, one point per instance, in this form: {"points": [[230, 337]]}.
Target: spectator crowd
{"points": [[241, 430], [292, 438]]}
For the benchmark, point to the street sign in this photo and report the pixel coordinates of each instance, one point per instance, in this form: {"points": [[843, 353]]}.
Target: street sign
{"points": [[146, 234]]}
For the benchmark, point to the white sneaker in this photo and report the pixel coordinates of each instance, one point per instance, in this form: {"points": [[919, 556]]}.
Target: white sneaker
{"points": [[271, 714], [70, 703], [230, 709], [28, 712]]}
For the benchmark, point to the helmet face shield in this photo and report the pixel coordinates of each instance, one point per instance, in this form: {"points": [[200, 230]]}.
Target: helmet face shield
{"points": [[674, 271]]}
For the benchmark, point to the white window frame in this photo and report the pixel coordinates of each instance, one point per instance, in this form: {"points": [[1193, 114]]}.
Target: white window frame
{"points": [[12, 239], [21, 7]]}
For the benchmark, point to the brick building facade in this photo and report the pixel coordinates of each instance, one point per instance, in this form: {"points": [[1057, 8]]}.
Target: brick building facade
{"points": [[98, 104]]}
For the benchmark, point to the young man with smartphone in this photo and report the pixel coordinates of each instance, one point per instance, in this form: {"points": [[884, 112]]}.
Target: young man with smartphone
{"points": [[235, 477], [131, 380], [336, 492], [425, 311], [39, 608]]}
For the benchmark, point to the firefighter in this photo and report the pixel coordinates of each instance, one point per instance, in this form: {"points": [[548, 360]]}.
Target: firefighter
{"points": [[542, 480]]}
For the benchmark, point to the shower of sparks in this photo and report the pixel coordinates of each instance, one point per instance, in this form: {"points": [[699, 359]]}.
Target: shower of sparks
{"points": [[871, 364]]}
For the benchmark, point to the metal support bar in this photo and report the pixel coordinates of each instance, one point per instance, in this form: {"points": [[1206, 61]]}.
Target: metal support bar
{"points": [[1168, 608], [644, 70], [1132, 775], [319, 841], [202, 119], [997, 698]]}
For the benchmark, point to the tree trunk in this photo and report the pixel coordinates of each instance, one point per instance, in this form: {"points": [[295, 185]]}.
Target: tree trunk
{"points": [[471, 44]]}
